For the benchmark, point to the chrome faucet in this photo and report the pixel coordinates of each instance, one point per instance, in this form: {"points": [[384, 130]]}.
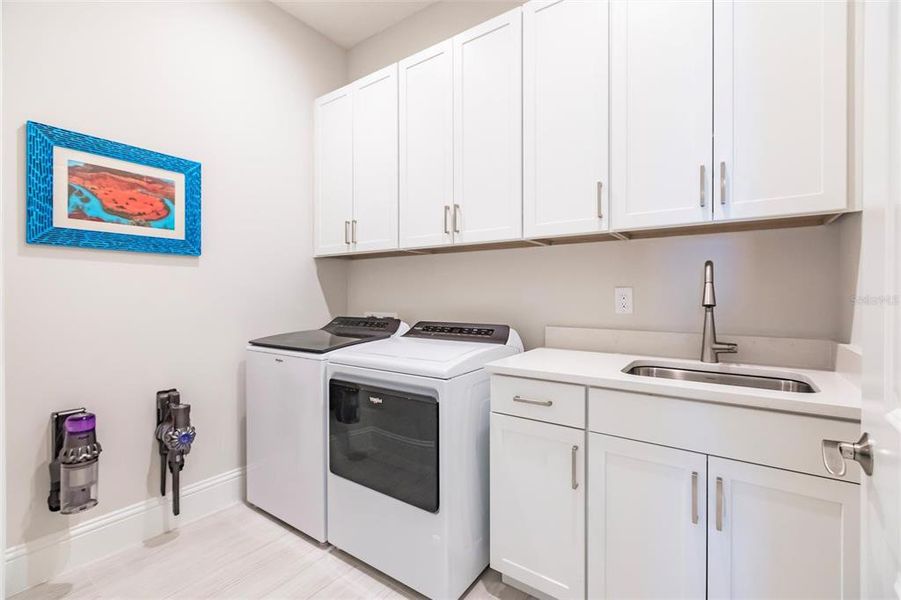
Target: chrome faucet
{"points": [[711, 348]]}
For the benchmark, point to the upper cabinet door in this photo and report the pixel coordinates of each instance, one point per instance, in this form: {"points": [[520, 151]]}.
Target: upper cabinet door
{"points": [[488, 130], [661, 112], [779, 534], [333, 194], [374, 224], [647, 520], [565, 106], [427, 147], [781, 107]]}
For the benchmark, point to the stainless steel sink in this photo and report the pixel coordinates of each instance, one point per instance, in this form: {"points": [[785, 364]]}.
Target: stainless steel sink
{"points": [[762, 382]]}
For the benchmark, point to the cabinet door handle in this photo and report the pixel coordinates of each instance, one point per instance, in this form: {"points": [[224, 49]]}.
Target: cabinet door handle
{"points": [[528, 401], [458, 216], [703, 186], [694, 497], [346, 234], [353, 231], [600, 200], [723, 182], [446, 214], [575, 482], [719, 503]]}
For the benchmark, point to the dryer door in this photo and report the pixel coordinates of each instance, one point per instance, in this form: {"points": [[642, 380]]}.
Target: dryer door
{"points": [[385, 440]]}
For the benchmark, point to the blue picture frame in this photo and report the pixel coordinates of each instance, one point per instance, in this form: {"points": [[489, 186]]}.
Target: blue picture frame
{"points": [[39, 228]]}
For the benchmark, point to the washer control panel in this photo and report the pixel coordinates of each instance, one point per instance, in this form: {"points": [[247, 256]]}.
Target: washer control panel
{"points": [[469, 332]]}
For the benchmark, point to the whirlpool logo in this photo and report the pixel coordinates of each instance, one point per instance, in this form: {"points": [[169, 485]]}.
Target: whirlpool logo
{"points": [[375, 400]]}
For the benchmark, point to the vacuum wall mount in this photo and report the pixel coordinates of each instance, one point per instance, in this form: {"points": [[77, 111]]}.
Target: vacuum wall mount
{"points": [[175, 436], [74, 468]]}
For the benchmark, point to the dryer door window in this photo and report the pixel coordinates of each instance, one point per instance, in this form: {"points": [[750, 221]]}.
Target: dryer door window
{"points": [[385, 440]]}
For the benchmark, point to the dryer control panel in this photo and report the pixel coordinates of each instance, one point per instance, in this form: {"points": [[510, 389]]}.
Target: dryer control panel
{"points": [[468, 332]]}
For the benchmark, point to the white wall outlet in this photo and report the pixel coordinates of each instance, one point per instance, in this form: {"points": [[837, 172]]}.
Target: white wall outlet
{"points": [[622, 300]]}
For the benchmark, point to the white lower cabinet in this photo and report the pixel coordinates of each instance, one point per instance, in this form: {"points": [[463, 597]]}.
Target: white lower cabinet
{"points": [[778, 534], [538, 504], [647, 520]]}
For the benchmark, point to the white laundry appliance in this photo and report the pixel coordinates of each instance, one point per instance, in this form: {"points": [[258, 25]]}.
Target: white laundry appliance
{"points": [[287, 417], [408, 452]]}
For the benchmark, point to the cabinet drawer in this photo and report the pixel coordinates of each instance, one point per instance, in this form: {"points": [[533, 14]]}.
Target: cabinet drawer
{"points": [[548, 401], [776, 439]]}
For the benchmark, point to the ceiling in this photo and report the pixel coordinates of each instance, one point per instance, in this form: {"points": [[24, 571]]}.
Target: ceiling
{"points": [[348, 23]]}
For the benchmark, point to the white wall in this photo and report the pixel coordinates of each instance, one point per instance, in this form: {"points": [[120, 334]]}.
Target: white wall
{"points": [[230, 85]]}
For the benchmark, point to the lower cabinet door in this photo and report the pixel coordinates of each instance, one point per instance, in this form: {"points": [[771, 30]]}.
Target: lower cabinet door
{"points": [[538, 504], [780, 534], [646, 520]]}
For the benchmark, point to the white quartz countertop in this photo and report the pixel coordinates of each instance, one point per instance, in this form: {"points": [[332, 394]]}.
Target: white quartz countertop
{"points": [[837, 396]]}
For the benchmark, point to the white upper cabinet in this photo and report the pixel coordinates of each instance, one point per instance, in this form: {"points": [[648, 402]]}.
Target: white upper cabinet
{"points": [[426, 147], [781, 107], [374, 224], [647, 520], [661, 112], [779, 534], [565, 116], [333, 194], [488, 130]]}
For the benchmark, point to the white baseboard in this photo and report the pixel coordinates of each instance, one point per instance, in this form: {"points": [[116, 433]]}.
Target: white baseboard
{"points": [[38, 561]]}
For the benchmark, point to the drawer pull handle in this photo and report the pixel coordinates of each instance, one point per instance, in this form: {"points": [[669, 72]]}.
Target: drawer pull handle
{"points": [[536, 402], [694, 497], [575, 483]]}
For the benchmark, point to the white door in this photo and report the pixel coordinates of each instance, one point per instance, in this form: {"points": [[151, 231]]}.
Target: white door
{"points": [[661, 112], [647, 520], [538, 504], [286, 439], [333, 194], [781, 89], [374, 225], [488, 130], [780, 534], [427, 147], [881, 284], [565, 85]]}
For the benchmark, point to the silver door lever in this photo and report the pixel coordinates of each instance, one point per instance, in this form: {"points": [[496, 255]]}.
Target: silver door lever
{"points": [[835, 453]]}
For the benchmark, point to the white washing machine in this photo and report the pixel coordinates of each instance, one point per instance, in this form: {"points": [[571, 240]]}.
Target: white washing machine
{"points": [[408, 453], [287, 417]]}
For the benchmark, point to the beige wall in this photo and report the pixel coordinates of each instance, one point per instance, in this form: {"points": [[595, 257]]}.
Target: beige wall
{"points": [[422, 29], [230, 85]]}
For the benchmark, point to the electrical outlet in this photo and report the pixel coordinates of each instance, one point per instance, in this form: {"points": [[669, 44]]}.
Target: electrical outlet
{"points": [[622, 300]]}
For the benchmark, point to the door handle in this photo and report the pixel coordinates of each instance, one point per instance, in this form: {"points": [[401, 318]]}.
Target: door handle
{"points": [[528, 401], [703, 186], [353, 231], [575, 482], [723, 182], [458, 216], [719, 503], [835, 453], [600, 200], [346, 234], [446, 214], [694, 497]]}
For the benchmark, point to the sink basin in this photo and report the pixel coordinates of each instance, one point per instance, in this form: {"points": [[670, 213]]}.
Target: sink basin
{"points": [[763, 382]]}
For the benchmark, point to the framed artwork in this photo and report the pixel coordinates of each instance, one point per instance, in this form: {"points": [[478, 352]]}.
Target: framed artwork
{"points": [[93, 193]]}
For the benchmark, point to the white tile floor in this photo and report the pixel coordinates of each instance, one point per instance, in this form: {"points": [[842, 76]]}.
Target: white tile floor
{"points": [[239, 553]]}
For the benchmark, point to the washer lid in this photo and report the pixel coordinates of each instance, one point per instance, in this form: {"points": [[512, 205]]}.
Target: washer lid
{"points": [[316, 341], [436, 358]]}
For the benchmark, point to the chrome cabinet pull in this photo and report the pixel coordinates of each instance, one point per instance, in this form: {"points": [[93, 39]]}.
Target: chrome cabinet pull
{"points": [[346, 234], [528, 401], [600, 200], [723, 182], [458, 216], [446, 213], [574, 481], [703, 187], [353, 231], [719, 503], [694, 497]]}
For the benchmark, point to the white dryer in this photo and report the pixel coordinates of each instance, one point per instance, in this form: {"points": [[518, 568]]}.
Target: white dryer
{"points": [[408, 452], [286, 417]]}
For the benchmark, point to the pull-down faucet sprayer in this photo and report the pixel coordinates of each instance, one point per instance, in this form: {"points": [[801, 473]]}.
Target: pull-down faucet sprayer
{"points": [[711, 348]]}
